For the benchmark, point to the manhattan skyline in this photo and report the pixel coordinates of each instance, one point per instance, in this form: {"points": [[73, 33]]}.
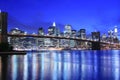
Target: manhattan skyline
{"points": [[101, 15]]}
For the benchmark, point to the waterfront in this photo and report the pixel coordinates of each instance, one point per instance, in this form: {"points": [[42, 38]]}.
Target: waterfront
{"points": [[62, 65]]}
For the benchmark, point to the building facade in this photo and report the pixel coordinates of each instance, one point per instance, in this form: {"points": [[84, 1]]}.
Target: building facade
{"points": [[41, 31], [53, 30], [115, 32], [68, 29], [82, 33]]}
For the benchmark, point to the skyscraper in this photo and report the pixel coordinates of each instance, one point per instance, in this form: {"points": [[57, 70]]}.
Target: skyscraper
{"points": [[110, 34], [115, 32], [82, 33], [41, 31], [53, 30], [3, 26], [73, 33], [67, 32]]}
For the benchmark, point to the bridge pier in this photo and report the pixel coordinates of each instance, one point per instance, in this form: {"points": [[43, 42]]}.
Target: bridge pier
{"points": [[96, 46], [3, 27], [96, 41]]}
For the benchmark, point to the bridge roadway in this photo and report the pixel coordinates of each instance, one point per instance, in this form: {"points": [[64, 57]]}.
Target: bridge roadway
{"points": [[57, 37]]}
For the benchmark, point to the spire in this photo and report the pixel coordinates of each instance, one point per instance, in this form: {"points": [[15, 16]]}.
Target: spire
{"points": [[54, 24], [115, 29]]}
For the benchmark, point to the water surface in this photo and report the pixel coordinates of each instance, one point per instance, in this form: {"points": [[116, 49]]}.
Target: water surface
{"points": [[62, 65]]}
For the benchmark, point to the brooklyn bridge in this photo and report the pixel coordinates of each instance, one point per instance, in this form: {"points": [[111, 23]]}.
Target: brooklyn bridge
{"points": [[21, 40]]}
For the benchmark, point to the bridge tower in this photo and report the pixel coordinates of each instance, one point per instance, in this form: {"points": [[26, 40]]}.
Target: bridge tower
{"points": [[96, 41], [3, 27]]}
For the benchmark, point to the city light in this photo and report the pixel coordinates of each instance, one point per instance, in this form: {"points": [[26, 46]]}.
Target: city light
{"points": [[58, 40], [54, 40]]}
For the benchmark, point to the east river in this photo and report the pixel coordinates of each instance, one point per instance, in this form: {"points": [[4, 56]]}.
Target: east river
{"points": [[62, 65]]}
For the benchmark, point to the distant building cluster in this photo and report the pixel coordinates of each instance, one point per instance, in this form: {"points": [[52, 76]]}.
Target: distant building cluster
{"points": [[65, 39], [29, 42]]}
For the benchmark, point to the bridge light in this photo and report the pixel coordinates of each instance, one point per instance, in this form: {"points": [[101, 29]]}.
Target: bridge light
{"points": [[33, 33], [25, 33]]}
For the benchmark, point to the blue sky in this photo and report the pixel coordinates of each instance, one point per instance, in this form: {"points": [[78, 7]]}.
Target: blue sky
{"points": [[100, 15]]}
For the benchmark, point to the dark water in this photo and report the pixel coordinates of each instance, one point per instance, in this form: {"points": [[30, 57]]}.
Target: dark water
{"points": [[62, 65]]}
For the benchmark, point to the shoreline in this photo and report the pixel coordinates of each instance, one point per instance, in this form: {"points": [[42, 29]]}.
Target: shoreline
{"points": [[13, 53]]}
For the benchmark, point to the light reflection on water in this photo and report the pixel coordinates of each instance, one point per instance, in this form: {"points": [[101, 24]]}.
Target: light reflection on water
{"points": [[62, 65], [0, 69]]}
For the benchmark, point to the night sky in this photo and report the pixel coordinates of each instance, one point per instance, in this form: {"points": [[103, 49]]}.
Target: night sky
{"points": [[93, 15]]}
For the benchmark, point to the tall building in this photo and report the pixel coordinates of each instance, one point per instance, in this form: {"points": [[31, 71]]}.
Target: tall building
{"points": [[110, 34], [73, 33], [53, 30], [115, 32], [40, 41], [40, 31], [82, 33], [104, 37], [3, 26], [68, 29]]}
